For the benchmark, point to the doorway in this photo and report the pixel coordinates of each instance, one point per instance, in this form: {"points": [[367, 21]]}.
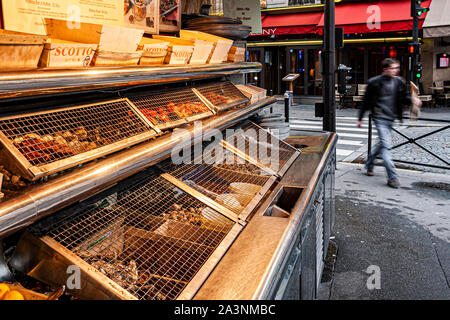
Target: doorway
{"points": [[297, 65], [314, 76], [255, 78]]}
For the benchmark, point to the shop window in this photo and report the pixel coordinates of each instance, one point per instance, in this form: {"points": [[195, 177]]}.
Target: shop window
{"points": [[356, 62], [297, 65]]}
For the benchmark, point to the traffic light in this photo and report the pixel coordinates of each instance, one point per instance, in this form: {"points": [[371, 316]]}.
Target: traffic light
{"points": [[418, 71], [416, 9], [414, 48], [343, 78]]}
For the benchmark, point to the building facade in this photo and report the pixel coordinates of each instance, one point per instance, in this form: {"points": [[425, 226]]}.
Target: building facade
{"points": [[291, 41]]}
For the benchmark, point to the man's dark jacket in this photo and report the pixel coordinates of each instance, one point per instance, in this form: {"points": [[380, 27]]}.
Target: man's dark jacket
{"points": [[373, 93]]}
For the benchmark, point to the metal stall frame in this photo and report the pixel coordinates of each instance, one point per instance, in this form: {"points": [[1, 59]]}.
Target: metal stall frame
{"points": [[43, 199], [15, 158], [284, 242], [280, 173]]}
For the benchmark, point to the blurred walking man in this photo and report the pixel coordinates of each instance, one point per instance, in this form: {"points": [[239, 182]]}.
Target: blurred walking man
{"points": [[385, 97]]}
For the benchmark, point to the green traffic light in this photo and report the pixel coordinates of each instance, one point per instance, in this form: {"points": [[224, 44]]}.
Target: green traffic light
{"points": [[418, 75]]}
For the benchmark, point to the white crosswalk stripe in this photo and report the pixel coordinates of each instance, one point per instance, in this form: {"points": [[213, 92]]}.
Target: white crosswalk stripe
{"points": [[351, 142], [317, 127], [351, 138], [353, 124]]}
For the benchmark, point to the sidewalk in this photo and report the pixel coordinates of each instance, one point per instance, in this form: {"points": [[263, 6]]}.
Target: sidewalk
{"points": [[437, 143], [404, 232]]}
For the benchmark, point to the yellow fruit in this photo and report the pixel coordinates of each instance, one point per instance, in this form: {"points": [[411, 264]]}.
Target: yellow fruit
{"points": [[4, 289], [13, 295]]}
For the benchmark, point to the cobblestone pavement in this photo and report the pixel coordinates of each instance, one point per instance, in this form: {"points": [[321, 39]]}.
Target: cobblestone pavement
{"points": [[438, 143]]}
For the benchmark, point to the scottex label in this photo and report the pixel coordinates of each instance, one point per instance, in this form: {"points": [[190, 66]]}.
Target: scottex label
{"points": [[71, 55], [154, 51], [181, 55]]}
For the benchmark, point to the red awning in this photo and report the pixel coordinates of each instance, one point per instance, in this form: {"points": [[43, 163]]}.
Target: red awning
{"points": [[393, 15], [293, 23]]}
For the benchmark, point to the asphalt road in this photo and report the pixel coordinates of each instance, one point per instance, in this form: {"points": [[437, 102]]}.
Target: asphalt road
{"points": [[402, 233]]}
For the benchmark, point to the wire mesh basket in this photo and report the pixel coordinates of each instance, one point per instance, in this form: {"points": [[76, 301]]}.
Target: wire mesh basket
{"points": [[222, 96], [43, 143], [151, 239], [262, 148], [171, 109], [223, 176]]}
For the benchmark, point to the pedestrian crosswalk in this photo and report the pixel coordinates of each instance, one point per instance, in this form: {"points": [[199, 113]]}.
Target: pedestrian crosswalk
{"points": [[351, 138]]}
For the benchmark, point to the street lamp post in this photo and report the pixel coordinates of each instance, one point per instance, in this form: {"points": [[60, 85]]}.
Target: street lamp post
{"points": [[329, 64]]}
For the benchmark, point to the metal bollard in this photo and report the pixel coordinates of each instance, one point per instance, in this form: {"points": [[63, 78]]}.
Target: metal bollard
{"points": [[287, 105], [369, 142]]}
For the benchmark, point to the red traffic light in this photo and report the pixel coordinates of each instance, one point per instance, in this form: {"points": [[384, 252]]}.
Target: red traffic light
{"points": [[411, 49]]}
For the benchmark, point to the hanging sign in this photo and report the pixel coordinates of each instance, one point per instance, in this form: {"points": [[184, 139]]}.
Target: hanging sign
{"points": [[248, 11], [29, 15]]}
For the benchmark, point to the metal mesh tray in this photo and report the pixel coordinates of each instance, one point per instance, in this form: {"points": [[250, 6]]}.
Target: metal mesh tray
{"points": [[262, 148], [151, 239], [43, 143], [222, 96], [171, 109], [233, 186]]}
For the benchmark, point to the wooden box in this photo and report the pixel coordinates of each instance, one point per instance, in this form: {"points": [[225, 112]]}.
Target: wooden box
{"points": [[221, 46], [262, 93], [200, 49], [179, 54], [116, 58], [154, 51], [236, 54], [109, 38], [253, 96], [61, 53], [254, 93], [20, 50]]}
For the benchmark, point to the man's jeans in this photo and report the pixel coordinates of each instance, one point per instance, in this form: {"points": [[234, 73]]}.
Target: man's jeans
{"points": [[384, 128]]}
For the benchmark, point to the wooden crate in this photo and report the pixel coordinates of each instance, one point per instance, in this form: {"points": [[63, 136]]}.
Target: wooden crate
{"points": [[179, 54], [262, 93], [201, 49], [220, 49], [253, 96], [61, 53], [20, 50], [115, 58], [154, 51], [236, 54], [108, 38]]}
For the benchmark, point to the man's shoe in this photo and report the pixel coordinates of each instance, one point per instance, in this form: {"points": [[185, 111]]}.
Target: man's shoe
{"points": [[394, 183], [370, 173]]}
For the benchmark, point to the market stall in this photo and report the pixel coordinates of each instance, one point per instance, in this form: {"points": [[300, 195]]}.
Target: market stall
{"points": [[61, 217], [153, 181]]}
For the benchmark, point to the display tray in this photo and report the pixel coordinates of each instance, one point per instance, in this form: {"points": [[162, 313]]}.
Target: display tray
{"points": [[262, 148], [148, 238], [233, 185], [222, 96], [172, 108], [43, 143]]}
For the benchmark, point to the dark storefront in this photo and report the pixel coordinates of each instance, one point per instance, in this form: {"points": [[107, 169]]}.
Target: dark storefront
{"points": [[291, 43], [364, 59]]}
